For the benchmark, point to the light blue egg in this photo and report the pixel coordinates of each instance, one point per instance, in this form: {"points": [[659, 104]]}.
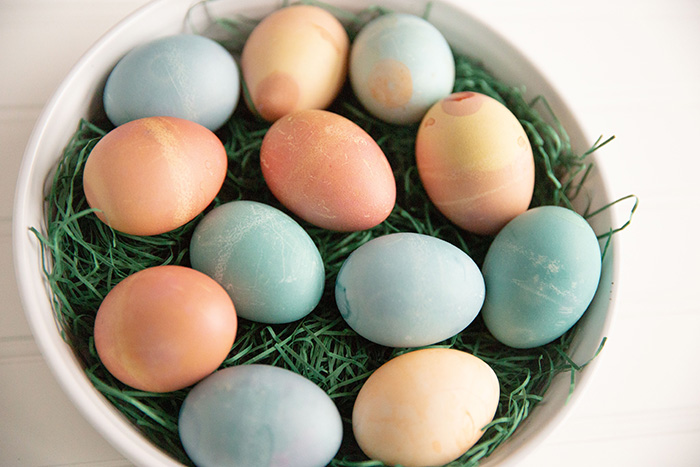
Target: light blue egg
{"points": [[185, 76], [408, 290], [262, 257], [541, 272], [259, 415], [400, 65]]}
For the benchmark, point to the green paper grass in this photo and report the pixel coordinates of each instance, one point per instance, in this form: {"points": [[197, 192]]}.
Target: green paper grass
{"points": [[86, 259]]}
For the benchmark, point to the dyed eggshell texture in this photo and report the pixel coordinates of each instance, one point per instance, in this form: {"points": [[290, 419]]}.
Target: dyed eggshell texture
{"points": [[294, 59], [399, 66], [475, 162], [425, 408], [408, 290], [164, 328], [152, 175], [328, 171], [252, 415], [263, 258], [186, 76], [541, 272]]}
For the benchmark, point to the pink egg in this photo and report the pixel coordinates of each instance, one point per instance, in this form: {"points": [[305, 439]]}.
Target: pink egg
{"points": [[165, 328], [152, 175], [328, 171], [475, 162]]}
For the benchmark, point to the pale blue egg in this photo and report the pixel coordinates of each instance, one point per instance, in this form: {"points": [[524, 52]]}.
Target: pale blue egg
{"points": [[541, 272], [259, 415], [409, 290], [185, 76], [400, 65], [263, 258]]}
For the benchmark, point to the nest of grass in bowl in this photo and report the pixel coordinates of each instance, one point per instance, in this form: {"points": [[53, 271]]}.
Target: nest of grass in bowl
{"points": [[85, 259]]}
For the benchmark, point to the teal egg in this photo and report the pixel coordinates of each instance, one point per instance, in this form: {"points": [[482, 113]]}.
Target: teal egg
{"points": [[408, 290], [259, 415], [186, 76], [263, 258], [541, 272]]}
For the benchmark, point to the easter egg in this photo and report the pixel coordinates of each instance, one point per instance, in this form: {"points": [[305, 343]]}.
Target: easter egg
{"points": [[475, 162], [262, 257], [328, 171], [425, 408], [400, 65], [255, 415], [154, 174], [294, 59], [185, 76], [408, 290], [541, 272], [164, 328]]}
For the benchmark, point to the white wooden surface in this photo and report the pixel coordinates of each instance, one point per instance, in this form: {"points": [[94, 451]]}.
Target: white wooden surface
{"points": [[627, 67]]}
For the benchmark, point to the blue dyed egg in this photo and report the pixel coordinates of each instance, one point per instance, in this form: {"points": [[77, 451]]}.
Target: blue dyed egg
{"points": [[185, 76], [408, 290], [400, 65], [259, 415], [541, 272], [264, 259]]}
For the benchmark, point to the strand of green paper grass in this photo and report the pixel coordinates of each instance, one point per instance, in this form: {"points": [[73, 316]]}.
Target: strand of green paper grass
{"points": [[87, 259]]}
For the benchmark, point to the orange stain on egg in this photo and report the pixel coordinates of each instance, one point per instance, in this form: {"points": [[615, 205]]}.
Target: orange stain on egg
{"points": [[390, 83], [276, 96]]}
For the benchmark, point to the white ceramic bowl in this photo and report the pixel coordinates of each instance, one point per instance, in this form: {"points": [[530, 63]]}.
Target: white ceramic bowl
{"points": [[80, 96]]}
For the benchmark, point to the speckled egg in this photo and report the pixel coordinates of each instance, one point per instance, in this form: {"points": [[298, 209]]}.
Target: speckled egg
{"points": [[400, 65], [185, 76], [475, 162], [152, 175], [425, 408], [408, 290], [328, 171], [541, 272], [164, 328], [259, 415], [263, 258], [295, 58]]}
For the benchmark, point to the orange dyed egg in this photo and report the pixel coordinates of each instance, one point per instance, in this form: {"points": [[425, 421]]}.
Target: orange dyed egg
{"points": [[165, 328], [475, 162], [152, 175], [295, 58], [328, 171]]}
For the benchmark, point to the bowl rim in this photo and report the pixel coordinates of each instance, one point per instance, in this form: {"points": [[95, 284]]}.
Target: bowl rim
{"points": [[105, 418]]}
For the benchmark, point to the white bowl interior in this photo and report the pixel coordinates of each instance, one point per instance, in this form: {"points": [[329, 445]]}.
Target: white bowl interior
{"points": [[79, 97]]}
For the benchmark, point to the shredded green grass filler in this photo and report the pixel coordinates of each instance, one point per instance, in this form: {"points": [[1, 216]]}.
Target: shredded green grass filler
{"points": [[86, 259]]}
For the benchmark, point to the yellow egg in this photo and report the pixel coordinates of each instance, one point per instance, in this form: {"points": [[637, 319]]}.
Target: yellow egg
{"points": [[475, 162], [295, 59], [425, 408], [152, 175]]}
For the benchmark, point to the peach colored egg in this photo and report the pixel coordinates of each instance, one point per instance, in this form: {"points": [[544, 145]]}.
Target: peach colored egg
{"points": [[475, 162], [328, 171], [295, 58], [152, 175], [165, 328], [425, 408]]}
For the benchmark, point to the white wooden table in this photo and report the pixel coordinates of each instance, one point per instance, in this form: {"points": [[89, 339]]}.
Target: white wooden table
{"points": [[629, 68]]}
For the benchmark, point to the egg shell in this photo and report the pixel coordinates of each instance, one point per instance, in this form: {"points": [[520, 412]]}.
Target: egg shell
{"points": [[328, 171], [152, 175], [185, 76], [475, 162], [263, 258], [294, 59], [400, 65], [164, 328], [425, 408], [408, 290], [255, 415], [541, 272]]}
